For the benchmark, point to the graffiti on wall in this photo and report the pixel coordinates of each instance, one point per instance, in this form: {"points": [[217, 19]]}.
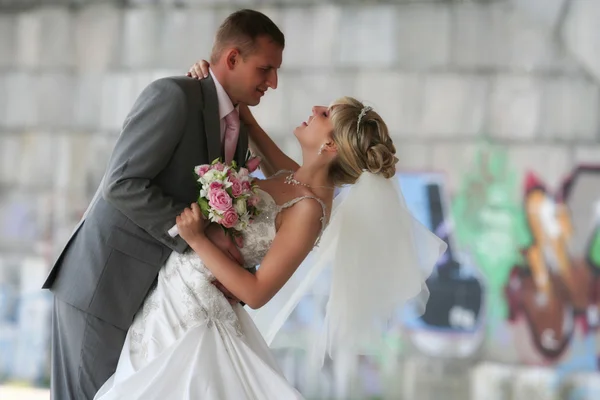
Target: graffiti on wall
{"points": [[523, 262], [553, 294], [488, 217]]}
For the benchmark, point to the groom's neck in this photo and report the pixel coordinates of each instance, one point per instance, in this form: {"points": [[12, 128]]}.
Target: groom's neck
{"points": [[222, 76]]}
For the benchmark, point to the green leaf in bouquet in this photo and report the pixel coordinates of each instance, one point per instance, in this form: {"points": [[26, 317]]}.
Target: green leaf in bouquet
{"points": [[203, 203]]}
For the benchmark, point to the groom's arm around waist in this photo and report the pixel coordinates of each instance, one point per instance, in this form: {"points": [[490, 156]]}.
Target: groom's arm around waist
{"points": [[150, 134]]}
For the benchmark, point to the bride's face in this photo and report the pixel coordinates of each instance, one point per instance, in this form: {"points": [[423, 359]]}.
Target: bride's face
{"points": [[316, 130]]}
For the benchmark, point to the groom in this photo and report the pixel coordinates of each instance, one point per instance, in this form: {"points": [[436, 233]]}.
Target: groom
{"points": [[112, 259]]}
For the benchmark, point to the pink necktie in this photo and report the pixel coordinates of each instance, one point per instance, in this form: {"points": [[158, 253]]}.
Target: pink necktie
{"points": [[232, 131]]}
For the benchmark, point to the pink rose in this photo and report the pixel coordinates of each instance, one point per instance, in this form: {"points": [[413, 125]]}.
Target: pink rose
{"points": [[253, 201], [253, 163], [246, 186], [219, 200], [215, 186], [236, 187], [201, 169], [243, 172], [230, 218], [219, 166]]}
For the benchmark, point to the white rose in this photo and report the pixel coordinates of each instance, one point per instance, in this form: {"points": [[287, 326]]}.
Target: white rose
{"points": [[208, 177], [226, 183], [245, 218], [240, 206], [214, 217]]}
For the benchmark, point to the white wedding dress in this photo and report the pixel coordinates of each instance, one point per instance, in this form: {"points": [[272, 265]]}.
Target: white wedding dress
{"points": [[188, 342]]}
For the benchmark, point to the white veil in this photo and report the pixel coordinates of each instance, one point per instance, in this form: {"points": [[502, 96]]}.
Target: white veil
{"points": [[379, 257]]}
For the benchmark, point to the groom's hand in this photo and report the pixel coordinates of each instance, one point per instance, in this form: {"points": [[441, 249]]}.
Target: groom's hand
{"points": [[223, 242], [228, 295], [216, 235]]}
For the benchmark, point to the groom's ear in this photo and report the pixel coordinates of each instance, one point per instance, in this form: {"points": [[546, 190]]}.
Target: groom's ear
{"points": [[233, 58]]}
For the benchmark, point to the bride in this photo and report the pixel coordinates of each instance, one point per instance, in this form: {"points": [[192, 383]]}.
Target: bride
{"points": [[189, 342]]}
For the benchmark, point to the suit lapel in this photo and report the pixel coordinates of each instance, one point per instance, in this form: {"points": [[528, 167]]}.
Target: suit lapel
{"points": [[212, 123]]}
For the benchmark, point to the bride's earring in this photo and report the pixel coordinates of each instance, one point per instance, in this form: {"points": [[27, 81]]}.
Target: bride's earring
{"points": [[321, 149]]}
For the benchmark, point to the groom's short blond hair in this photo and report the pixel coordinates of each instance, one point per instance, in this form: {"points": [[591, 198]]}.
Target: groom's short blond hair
{"points": [[241, 29]]}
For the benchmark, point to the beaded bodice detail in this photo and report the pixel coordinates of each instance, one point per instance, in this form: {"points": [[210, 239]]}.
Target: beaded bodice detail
{"points": [[259, 235]]}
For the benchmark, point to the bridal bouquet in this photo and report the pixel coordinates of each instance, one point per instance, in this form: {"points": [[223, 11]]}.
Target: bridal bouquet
{"points": [[227, 196]]}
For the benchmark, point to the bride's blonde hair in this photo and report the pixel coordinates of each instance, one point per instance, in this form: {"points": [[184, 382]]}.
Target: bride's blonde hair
{"points": [[363, 144]]}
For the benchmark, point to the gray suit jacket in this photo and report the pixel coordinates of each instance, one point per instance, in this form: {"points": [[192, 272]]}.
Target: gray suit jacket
{"points": [[114, 255]]}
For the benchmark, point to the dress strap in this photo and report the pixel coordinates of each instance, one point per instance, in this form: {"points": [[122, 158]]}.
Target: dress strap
{"points": [[290, 203]]}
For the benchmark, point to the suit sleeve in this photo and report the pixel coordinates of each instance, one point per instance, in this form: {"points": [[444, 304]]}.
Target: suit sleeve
{"points": [[150, 134]]}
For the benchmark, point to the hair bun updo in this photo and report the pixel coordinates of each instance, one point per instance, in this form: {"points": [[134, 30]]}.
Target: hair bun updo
{"points": [[380, 160], [363, 142]]}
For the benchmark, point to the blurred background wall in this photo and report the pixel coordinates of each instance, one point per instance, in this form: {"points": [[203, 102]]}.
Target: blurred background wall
{"points": [[494, 109]]}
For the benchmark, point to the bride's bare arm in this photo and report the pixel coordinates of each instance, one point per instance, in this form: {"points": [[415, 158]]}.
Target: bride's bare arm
{"points": [[260, 143], [294, 240]]}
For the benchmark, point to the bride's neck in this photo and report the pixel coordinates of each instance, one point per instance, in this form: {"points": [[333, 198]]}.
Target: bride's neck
{"points": [[313, 176]]}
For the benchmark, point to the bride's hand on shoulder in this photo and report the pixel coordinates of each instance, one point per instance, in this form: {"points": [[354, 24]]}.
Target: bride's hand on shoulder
{"points": [[199, 70], [191, 224]]}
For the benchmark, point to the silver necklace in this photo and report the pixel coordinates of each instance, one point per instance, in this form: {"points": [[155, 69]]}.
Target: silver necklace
{"points": [[290, 180]]}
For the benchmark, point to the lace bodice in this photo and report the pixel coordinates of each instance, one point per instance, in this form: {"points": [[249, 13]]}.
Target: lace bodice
{"points": [[259, 235]]}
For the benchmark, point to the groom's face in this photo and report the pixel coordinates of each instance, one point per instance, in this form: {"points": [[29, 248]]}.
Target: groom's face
{"points": [[257, 72]]}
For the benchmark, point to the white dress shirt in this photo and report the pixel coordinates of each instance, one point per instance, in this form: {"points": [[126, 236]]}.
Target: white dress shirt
{"points": [[225, 104]]}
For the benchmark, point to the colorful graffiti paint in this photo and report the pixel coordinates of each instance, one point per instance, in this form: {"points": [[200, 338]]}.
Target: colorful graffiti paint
{"points": [[538, 251], [488, 219], [554, 292]]}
